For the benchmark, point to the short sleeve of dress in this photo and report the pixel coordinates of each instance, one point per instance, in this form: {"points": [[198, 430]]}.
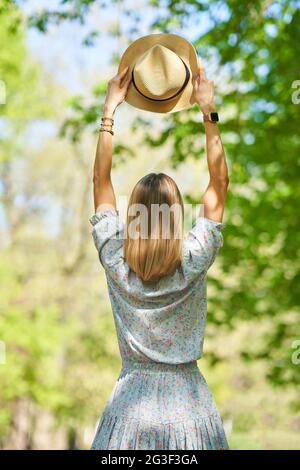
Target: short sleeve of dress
{"points": [[203, 242], [107, 233]]}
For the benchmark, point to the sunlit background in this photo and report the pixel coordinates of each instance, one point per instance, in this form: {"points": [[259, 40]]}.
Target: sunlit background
{"points": [[59, 355]]}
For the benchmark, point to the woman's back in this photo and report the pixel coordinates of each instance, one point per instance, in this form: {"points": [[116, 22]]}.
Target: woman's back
{"points": [[160, 399], [163, 320]]}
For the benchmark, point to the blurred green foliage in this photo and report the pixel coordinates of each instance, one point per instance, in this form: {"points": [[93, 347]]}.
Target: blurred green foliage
{"points": [[19, 74], [256, 46], [61, 354], [49, 369]]}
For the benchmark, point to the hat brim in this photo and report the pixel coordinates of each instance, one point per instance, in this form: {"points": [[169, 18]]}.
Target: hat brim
{"points": [[183, 49]]}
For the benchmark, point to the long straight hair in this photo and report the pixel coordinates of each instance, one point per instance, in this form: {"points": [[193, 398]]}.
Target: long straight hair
{"points": [[152, 247]]}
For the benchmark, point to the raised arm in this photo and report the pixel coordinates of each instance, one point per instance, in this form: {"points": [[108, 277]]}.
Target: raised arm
{"points": [[104, 196], [215, 194]]}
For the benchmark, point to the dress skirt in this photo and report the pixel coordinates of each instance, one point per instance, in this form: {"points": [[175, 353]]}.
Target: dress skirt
{"points": [[160, 406]]}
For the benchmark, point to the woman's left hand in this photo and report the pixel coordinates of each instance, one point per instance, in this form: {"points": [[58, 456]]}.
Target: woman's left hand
{"points": [[117, 89], [203, 90]]}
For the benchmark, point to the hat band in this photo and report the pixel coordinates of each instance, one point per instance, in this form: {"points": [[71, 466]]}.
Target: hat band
{"points": [[187, 77]]}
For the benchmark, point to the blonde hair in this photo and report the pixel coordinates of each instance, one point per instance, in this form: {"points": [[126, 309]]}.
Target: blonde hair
{"points": [[154, 252]]}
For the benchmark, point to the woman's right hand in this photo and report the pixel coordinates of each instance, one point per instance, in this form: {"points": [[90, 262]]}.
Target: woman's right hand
{"points": [[116, 90], [203, 90]]}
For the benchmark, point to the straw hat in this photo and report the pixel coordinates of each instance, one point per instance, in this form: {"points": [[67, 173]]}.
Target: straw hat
{"points": [[161, 68]]}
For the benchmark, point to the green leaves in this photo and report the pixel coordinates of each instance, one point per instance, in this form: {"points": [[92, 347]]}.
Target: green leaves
{"points": [[258, 46]]}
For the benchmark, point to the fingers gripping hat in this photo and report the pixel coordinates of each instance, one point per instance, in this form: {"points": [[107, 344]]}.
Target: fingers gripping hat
{"points": [[161, 67]]}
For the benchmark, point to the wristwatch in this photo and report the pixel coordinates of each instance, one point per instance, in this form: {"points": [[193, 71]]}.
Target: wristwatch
{"points": [[211, 117]]}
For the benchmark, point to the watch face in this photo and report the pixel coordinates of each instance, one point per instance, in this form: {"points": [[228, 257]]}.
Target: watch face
{"points": [[214, 116]]}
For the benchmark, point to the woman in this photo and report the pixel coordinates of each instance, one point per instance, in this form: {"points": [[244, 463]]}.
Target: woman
{"points": [[157, 288]]}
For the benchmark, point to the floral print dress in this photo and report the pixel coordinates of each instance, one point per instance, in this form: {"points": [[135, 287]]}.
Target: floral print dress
{"points": [[160, 399]]}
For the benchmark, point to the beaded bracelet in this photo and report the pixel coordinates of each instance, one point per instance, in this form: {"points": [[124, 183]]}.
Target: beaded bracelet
{"points": [[104, 126], [110, 119], [106, 130]]}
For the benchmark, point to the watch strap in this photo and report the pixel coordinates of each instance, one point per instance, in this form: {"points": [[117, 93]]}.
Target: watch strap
{"points": [[211, 117]]}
